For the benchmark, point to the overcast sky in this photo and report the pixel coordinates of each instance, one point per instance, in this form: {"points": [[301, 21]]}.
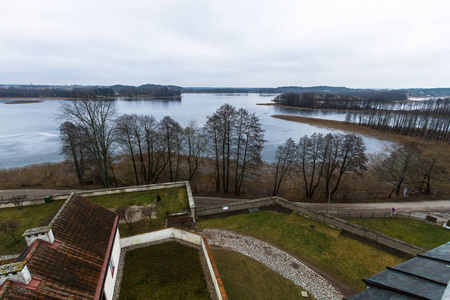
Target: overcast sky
{"points": [[254, 43]]}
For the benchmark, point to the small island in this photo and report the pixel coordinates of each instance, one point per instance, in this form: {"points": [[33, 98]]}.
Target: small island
{"points": [[24, 101]]}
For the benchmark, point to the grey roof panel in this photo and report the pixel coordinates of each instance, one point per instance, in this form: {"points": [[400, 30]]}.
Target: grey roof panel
{"points": [[441, 252], [426, 268], [374, 293], [407, 284]]}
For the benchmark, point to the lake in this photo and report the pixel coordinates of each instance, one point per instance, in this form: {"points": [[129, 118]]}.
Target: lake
{"points": [[29, 132]]}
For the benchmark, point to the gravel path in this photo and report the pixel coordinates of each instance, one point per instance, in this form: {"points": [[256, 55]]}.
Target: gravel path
{"points": [[279, 261]]}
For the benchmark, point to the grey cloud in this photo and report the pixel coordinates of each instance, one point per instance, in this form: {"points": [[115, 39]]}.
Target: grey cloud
{"points": [[226, 43]]}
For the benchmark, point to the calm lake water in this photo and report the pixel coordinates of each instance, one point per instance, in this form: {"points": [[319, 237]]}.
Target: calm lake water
{"points": [[29, 132]]}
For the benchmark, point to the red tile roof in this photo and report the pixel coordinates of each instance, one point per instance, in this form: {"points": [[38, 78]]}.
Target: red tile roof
{"points": [[72, 268]]}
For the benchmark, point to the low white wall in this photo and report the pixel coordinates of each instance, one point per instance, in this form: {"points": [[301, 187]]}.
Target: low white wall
{"points": [[190, 198], [146, 237], [180, 235]]}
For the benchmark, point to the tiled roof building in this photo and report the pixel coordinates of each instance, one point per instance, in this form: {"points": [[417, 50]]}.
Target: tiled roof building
{"points": [[72, 258]]}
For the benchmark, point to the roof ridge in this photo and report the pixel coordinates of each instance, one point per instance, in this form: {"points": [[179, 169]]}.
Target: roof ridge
{"points": [[61, 210]]}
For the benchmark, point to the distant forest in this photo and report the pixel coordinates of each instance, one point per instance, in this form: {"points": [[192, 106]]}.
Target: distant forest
{"points": [[151, 90], [381, 100], [76, 92], [148, 90], [154, 90], [426, 119]]}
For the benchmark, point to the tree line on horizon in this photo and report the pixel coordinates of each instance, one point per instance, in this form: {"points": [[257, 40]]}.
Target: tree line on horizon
{"points": [[79, 92]]}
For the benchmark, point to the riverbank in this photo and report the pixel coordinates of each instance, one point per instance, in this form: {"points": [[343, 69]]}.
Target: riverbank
{"points": [[353, 128], [327, 109], [309, 108]]}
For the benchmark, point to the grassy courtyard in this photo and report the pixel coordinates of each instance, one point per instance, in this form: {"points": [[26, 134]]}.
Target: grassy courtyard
{"points": [[141, 226], [164, 271], [172, 200], [245, 278], [412, 231], [343, 257], [33, 216]]}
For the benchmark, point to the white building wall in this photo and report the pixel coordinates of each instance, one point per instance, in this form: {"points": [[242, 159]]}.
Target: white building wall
{"points": [[110, 280]]}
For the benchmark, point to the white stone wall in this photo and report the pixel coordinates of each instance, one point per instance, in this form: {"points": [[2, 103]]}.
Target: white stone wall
{"points": [[110, 280], [187, 236], [146, 237]]}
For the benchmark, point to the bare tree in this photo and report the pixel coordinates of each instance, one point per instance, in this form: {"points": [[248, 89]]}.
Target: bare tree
{"points": [[74, 147], [431, 170], [249, 143], [347, 156], [236, 140], [219, 128], [153, 145], [195, 146], [328, 158], [396, 166], [95, 118], [18, 201], [310, 151], [171, 131], [10, 227], [147, 211], [125, 129], [124, 213], [284, 157]]}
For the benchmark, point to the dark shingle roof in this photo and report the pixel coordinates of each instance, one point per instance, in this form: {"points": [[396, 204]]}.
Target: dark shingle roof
{"points": [[423, 277], [73, 269]]}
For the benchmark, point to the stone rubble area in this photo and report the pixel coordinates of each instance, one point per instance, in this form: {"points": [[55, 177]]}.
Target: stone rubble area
{"points": [[276, 259]]}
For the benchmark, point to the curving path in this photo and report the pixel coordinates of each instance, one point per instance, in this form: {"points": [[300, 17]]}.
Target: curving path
{"points": [[276, 259]]}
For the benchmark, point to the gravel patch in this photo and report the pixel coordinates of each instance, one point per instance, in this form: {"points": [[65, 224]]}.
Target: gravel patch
{"points": [[276, 259]]}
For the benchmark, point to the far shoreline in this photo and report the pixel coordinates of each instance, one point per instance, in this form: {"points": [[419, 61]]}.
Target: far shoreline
{"points": [[40, 99], [353, 128], [24, 102]]}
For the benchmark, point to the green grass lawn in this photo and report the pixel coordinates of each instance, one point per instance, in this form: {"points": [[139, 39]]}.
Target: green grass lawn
{"points": [[164, 271], [342, 257], [33, 216], [172, 200], [245, 278], [412, 231], [141, 226]]}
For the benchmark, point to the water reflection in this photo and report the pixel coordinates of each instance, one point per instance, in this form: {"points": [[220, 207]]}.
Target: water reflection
{"points": [[29, 132]]}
